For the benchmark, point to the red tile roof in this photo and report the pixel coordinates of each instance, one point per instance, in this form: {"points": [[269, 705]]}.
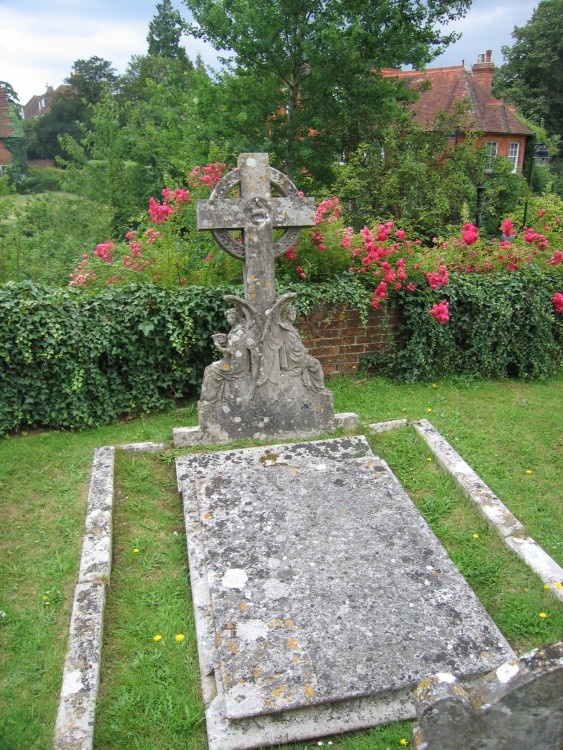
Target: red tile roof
{"points": [[442, 88]]}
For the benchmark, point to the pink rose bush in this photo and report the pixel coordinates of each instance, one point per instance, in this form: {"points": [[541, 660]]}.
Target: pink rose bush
{"points": [[164, 247], [397, 261]]}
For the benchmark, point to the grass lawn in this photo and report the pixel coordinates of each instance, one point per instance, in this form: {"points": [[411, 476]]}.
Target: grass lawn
{"points": [[150, 689]]}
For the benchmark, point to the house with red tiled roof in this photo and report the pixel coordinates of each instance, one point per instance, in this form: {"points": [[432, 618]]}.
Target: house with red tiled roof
{"points": [[41, 103], [7, 130], [441, 90]]}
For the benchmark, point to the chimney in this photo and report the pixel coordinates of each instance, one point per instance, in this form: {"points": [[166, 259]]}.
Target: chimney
{"points": [[483, 70]]}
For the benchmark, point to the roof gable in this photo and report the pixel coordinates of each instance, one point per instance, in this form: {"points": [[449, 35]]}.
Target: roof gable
{"points": [[440, 89]]}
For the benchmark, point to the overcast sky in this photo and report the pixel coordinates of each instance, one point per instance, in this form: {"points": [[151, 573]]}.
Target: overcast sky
{"points": [[40, 39]]}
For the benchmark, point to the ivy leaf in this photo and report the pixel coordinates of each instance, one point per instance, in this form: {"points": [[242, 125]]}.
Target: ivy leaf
{"points": [[147, 328]]}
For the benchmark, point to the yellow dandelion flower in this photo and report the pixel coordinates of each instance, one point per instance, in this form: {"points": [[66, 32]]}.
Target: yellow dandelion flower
{"points": [[543, 615], [429, 459], [403, 742], [180, 637], [547, 585], [136, 549], [429, 409], [558, 585], [157, 638], [529, 471], [475, 536], [434, 385]]}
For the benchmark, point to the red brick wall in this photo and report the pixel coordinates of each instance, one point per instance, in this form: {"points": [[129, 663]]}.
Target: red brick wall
{"points": [[5, 155], [503, 144], [336, 337]]}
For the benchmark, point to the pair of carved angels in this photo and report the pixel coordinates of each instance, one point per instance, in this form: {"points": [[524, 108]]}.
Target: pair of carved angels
{"points": [[264, 347]]}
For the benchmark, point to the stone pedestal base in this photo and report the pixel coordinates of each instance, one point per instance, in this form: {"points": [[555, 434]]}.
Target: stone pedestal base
{"points": [[250, 411]]}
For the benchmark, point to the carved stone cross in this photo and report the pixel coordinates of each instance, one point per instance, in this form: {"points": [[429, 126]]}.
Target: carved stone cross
{"points": [[257, 214]]}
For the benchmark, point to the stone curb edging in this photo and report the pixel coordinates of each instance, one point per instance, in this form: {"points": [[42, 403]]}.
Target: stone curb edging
{"points": [[492, 509], [74, 727]]}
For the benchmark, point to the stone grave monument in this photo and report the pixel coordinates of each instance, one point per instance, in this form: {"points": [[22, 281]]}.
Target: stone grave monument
{"points": [[321, 596], [265, 382], [518, 706]]}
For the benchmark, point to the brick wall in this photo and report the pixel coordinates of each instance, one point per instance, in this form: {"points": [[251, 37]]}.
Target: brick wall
{"points": [[336, 337]]}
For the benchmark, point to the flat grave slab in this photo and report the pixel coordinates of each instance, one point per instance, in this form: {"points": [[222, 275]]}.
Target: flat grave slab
{"points": [[321, 595]]}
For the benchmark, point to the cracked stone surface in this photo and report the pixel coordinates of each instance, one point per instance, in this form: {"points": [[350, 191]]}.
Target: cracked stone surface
{"points": [[316, 581]]}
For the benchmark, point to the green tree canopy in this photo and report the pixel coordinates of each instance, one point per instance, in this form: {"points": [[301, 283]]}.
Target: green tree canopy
{"points": [[11, 94], [305, 69], [70, 109], [532, 75], [165, 31], [91, 78]]}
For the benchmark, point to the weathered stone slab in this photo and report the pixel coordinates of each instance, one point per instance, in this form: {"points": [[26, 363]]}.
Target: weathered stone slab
{"points": [[508, 527], [145, 447], [287, 407], [186, 437], [317, 582], [519, 706], [74, 729], [95, 562], [495, 512]]}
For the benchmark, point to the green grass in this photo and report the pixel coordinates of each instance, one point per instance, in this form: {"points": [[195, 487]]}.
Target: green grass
{"points": [[150, 694]]}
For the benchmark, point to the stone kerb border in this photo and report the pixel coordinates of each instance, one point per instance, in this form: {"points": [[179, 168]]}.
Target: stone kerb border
{"points": [[492, 509], [74, 728]]}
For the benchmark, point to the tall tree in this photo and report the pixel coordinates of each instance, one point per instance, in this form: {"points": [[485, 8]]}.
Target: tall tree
{"points": [[165, 31], [13, 135], [306, 67], [532, 75], [91, 78], [70, 110]]}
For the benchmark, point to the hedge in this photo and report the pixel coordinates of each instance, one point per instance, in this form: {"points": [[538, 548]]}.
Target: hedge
{"points": [[502, 325], [69, 358]]}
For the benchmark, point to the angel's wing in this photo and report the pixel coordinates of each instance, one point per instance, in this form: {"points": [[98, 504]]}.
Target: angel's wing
{"points": [[247, 310]]}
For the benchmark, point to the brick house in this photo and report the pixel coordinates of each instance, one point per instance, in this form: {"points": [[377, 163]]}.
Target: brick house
{"points": [[7, 130], [441, 88], [41, 103]]}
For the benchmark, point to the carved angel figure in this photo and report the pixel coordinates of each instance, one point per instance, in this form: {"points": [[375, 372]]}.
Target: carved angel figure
{"points": [[283, 350], [239, 348]]}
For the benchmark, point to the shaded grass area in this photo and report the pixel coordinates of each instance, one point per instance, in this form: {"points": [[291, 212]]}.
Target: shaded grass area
{"points": [[44, 480], [150, 689], [149, 694]]}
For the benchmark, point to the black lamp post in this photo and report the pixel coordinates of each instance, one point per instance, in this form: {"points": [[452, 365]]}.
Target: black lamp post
{"points": [[479, 216]]}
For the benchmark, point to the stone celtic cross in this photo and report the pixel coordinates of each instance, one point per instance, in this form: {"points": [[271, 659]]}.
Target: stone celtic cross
{"points": [[257, 213]]}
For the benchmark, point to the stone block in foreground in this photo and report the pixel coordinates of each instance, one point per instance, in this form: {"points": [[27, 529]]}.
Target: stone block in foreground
{"points": [[518, 706], [321, 596]]}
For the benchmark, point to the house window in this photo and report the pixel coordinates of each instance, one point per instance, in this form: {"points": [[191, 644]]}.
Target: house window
{"points": [[492, 147], [513, 151]]}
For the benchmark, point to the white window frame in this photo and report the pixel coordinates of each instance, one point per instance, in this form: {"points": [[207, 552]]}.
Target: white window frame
{"points": [[493, 153], [513, 154]]}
